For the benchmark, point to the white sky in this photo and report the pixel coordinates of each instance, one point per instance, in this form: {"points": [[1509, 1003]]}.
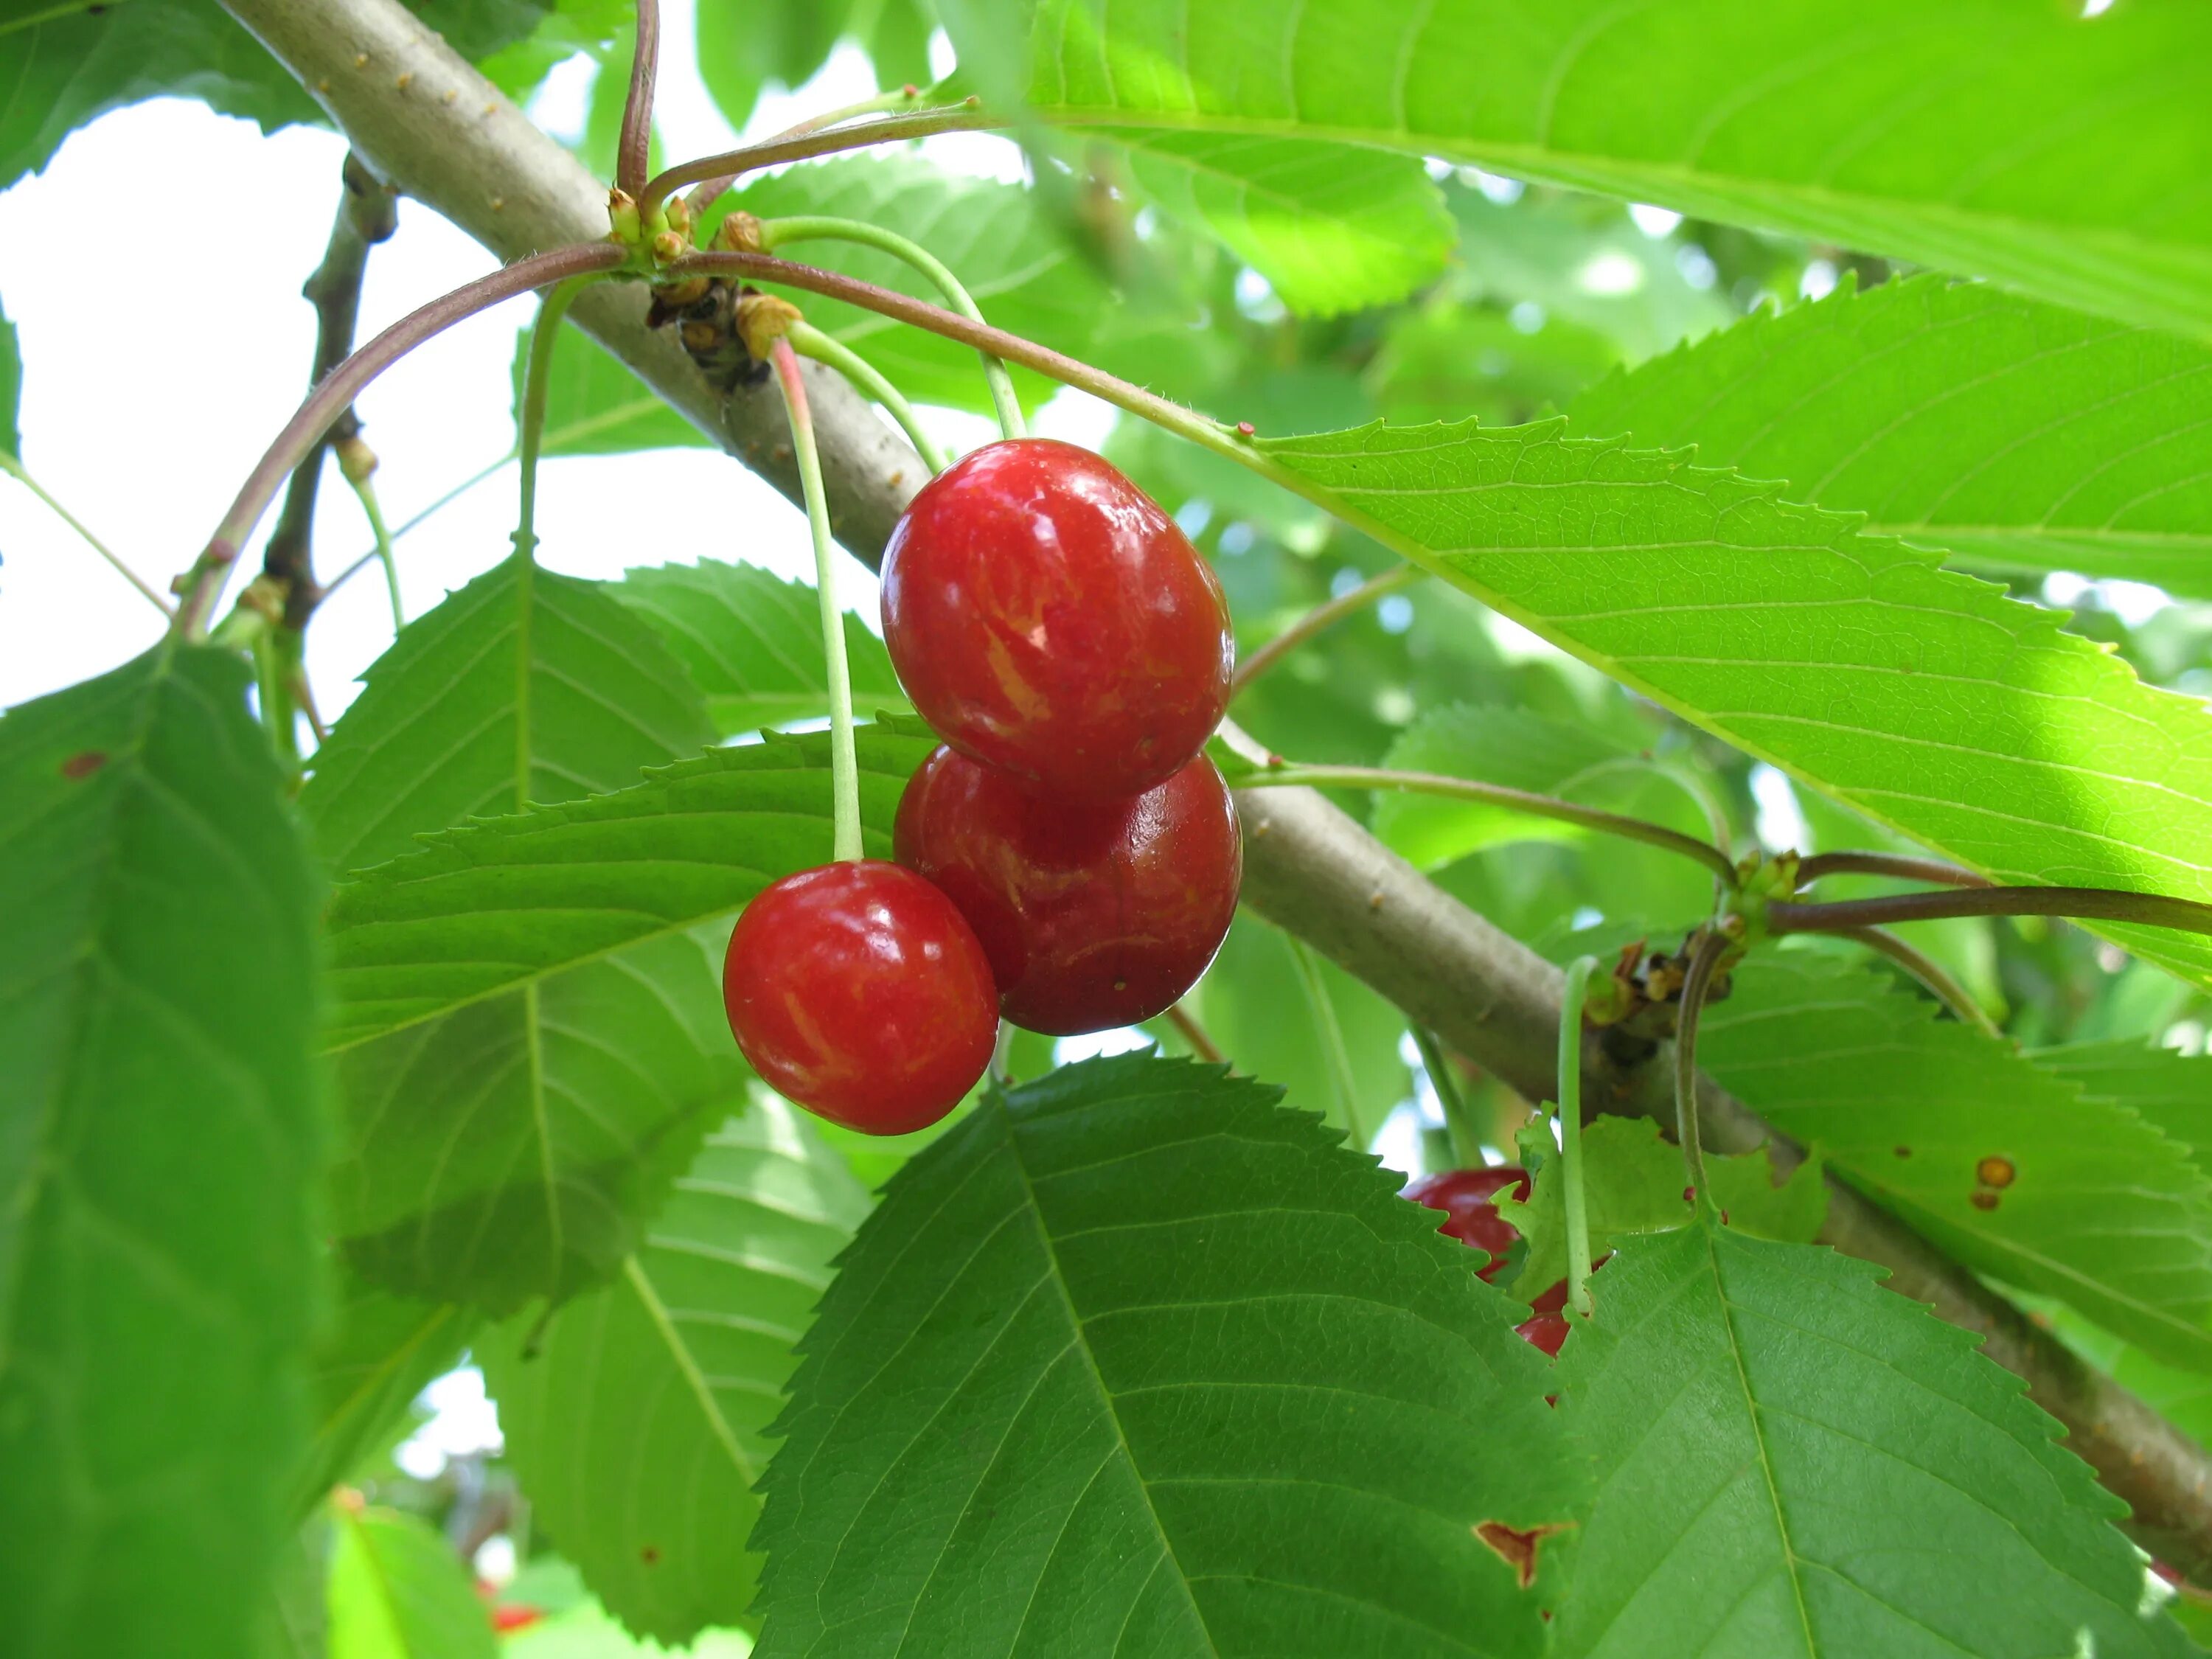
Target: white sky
{"points": [[151, 387]]}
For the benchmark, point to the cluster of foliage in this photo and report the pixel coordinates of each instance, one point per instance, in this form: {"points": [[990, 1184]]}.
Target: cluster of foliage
{"points": [[320, 1073]]}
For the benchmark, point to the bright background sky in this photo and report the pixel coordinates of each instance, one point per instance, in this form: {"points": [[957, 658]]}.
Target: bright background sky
{"points": [[150, 390]]}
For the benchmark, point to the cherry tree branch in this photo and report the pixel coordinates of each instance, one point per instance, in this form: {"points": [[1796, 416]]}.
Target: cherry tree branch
{"points": [[1309, 866]]}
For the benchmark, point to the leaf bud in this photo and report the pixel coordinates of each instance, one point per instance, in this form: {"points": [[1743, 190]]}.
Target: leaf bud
{"points": [[739, 233], [763, 319]]}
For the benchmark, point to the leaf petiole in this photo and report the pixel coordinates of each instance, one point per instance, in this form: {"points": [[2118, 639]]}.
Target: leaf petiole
{"points": [[14, 469], [1706, 953], [776, 233], [1571, 997], [810, 341], [1320, 618]]}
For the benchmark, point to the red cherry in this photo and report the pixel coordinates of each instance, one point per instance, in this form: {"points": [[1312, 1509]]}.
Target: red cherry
{"points": [[1093, 913], [1046, 618], [858, 991], [1469, 1198], [1546, 1331]]}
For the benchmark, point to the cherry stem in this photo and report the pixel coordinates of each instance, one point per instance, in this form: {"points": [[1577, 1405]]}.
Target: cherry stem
{"points": [[1571, 997], [1885, 864], [1931, 973], [844, 765], [1496, 795], [1201, 1041], [1705, 957], [1466, 1143], [776, 233], [809, 341], [365, 490], [14, 469], [1321, 616], [2093, 903], [203, 583], [703, 196], [1332, 1039], [442, 502], [733, 165], [633, 152]]}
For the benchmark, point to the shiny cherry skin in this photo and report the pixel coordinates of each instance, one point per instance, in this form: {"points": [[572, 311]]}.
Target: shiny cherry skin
{"points": [[1093, 913], [1547, 1324], [1469, 1199], [860, 992], [1048, 618]]}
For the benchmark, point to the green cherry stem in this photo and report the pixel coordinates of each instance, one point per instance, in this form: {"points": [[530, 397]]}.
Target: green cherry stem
{"points": [[1332, 1039], [336, 391], [1705, 957], [1931, 973], [1570, 1129], [844, 765], [776, 233], [1459, 1126], [14, 469], [2093, 903], [1494, 794], [809, 341], [364, 490], [1320, 618], [443, 501], [1191, 1030]]}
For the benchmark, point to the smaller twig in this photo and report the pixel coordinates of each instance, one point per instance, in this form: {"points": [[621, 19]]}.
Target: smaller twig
{"points": [[633, 152], [844, 765], [1704, 957], [1331, 1039], [14, 469], [810, 341], [1885, 864], [2091, 904], [1929, 972], [1496, 794], [776, 233], [1570, 1130], [203, 583], [1201, 1041], [1321, 616]]}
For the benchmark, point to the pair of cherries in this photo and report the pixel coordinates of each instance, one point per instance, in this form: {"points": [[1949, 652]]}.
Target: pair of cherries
{"points": [[1069, 857]]}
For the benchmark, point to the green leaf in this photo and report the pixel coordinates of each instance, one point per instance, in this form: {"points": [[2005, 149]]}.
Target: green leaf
{"points": [[2171, 1091], [595, 405], [1014, 263], [753, 642], [432, 739], [11, 388], [2062, 155], [1447, 361], [1633, 1183], [1331, 227], [376, 1355], [743, 45], [1924, 698], [568, 27], [68, 63], [639, 1422], [397, 1591], [509, 1151], [161, 1134], [2016, 435], [497, 906], [2102, 1211], [1793, 1461], [1134, 1358]]}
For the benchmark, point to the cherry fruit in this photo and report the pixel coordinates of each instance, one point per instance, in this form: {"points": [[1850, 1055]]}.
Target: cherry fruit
{"points": [[1093, 913], [860, 992], [1469, 1199], [1547, 1324], [1048, 619]]}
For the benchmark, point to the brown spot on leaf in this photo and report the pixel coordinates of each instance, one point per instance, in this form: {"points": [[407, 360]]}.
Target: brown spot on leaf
{"points": [[1902, 1151], [1982, 1198], [1995, 1171], [85, 764], [1517, 1548], [650, 1555]]}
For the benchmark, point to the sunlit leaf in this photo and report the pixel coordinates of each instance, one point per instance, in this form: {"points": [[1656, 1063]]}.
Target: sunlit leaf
{"points": [[399, 1591]]}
